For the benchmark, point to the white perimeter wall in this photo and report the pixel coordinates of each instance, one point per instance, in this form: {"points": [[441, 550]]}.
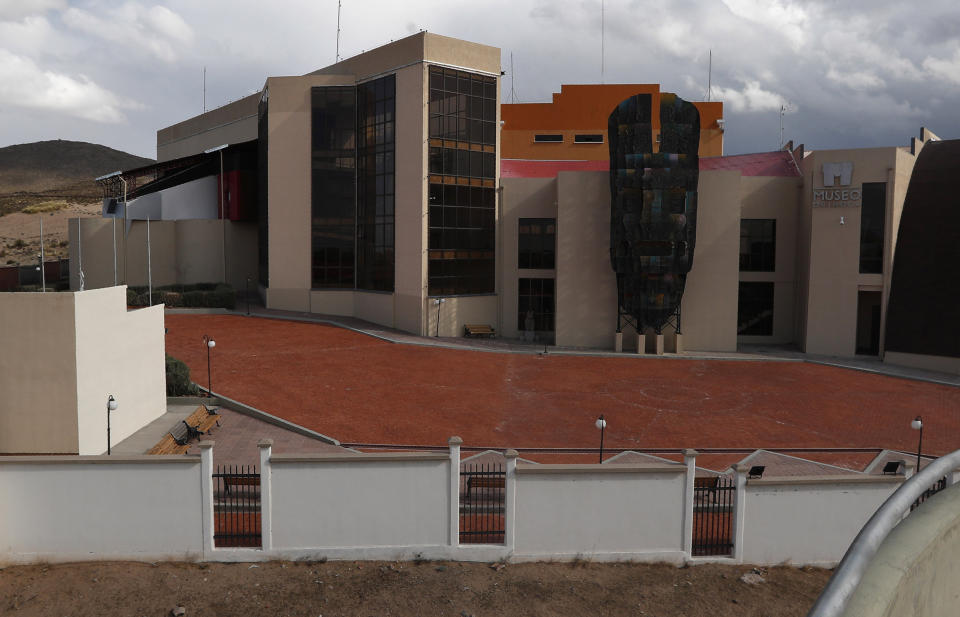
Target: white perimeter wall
{"points": [[119, 352], [597, 512], [332, 502], [808, 523], [70, 508]]}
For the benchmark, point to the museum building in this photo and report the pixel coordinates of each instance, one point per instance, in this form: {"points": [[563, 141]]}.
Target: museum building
{"points": [[394, 187]]}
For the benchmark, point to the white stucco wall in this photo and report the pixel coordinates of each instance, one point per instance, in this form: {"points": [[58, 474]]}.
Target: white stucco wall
{"points": [[808, 522], [330, 502], [118, 352], [632, 510], [70, 508]]}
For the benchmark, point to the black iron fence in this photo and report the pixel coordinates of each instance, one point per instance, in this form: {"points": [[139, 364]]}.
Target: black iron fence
{"points": [[236, 506], [714, 498], [482, 495], [937, 486]]}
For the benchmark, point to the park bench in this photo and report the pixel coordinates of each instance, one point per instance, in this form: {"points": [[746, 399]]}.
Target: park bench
{"points": [[239, 480], [475, 330], [484, 482], [176, 441]]}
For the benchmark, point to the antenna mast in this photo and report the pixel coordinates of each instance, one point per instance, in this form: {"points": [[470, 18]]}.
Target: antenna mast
{"points": [[339, 4], [710, 76], [513, 92], [204, 89], [602, 32], [783, 109]]}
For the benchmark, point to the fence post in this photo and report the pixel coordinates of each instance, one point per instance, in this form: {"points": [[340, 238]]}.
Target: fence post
{"points": [[266, 502], [690, 460], [739, 510], [206, 495], [510, 499], [454, 444]]}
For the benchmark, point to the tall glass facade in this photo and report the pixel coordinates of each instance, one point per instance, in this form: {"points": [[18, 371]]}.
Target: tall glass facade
{"points": [[263, 265], [376, 109], [333, 194], [462, 173], [872, 216]]}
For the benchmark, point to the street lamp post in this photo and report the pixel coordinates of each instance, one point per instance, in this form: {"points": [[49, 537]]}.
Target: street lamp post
{"points": [[917, 425], [111, 406], [210, 343], [247, 293], [601, 424]]}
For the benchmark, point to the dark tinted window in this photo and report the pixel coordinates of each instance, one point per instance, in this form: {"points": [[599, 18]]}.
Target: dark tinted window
{"points": [[596, 138], [548, 138], [537, 241], [755, 309], [535, 307], [758, 245], [872, 221]]}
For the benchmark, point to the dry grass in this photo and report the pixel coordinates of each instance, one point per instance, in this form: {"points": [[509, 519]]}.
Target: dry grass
{"points": [[45, 206]]}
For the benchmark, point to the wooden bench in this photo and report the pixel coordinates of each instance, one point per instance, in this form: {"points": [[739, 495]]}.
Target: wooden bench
{"points": [[473, 330], [229, 481], [176, 441], [484, 482]]}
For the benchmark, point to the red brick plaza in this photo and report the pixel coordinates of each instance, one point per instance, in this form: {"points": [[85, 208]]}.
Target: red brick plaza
{"points": [[359, 389]]}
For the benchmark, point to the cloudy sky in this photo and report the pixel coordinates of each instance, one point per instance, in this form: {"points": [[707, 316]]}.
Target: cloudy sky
{"points": [[852, 73]]}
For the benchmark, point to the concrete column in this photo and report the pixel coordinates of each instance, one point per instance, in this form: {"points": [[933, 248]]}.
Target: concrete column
{"points": [[510, 500], [690, 460], [739, 510], [206, 495], [909, 469], [641, 344], [678, 343], [618, 342], [454, 444], [659, 339], [266, 496]]}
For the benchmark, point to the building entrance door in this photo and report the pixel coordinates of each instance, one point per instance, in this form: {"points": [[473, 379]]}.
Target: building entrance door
{"points": [[868, 322]]}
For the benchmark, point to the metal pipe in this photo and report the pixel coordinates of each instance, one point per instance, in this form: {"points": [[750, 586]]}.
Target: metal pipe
{"points": [[43, 271], [848, 574]]}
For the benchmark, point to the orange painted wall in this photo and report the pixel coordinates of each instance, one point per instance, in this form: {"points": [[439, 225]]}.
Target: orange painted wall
{"points": [[581, 109]]}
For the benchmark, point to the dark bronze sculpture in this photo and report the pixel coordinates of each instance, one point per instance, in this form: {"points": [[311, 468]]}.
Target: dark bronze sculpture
{"points": [[653, 215]]}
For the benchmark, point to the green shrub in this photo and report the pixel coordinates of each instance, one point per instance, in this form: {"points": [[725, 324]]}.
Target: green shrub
{"points": [[178, 378], [198, 295]]}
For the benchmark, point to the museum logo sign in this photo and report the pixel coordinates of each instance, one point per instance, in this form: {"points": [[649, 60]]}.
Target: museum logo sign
{"points": [[836, 191]]}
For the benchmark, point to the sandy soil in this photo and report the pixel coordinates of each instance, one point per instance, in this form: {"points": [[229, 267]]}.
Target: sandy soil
{"points": [[429, 588], [26, 228]]}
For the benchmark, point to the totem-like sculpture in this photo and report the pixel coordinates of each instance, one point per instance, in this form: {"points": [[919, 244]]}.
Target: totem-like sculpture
{"points": [[653, 216]]}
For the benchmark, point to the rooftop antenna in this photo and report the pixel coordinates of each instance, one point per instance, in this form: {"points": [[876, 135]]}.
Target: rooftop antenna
{"points": [[204, 89], [513, 91], [784, 108], [339, 4], [710, 75], [602, 32]]}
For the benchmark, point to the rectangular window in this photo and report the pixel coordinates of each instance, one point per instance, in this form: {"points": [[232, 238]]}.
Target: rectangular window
{"points": [[758, 245], [376, 127], [537, 242], [535, 309], [333, 193], [548, 138], [462, 194], [872, 221], [588, 139], [755, 309]]}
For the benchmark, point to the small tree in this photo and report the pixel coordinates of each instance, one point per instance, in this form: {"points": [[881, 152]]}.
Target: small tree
{"points": [[178, 378]]}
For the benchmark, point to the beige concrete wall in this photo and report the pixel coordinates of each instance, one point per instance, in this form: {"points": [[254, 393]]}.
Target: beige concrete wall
{"points": [[119, 353], [764, 197], [181, 252], [709, 307], [586, 287], [374, 306], [521, 198], [410, 202], [38, 376], [833, 277], [915, 571], [233, 123], [289, 190], [942, 364]]}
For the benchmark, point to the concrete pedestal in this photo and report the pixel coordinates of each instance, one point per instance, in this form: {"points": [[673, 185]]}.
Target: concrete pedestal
{"points": [[678, 344], [641, 344], [659, 344], [618, 342]]}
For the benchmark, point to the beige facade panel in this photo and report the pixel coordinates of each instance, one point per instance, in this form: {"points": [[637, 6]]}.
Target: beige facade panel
{"points": [[38, 377], [942, 364], [457, 311], [233, 123]]}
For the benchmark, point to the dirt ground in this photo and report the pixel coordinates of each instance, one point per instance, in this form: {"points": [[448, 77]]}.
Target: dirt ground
{"points": [[294, 589], [363, 390], [20, 233]]}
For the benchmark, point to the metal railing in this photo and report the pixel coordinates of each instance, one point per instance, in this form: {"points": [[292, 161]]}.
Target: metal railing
{"points": [[713, 505], [236, 506], [482, 496], [848, 574]]}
